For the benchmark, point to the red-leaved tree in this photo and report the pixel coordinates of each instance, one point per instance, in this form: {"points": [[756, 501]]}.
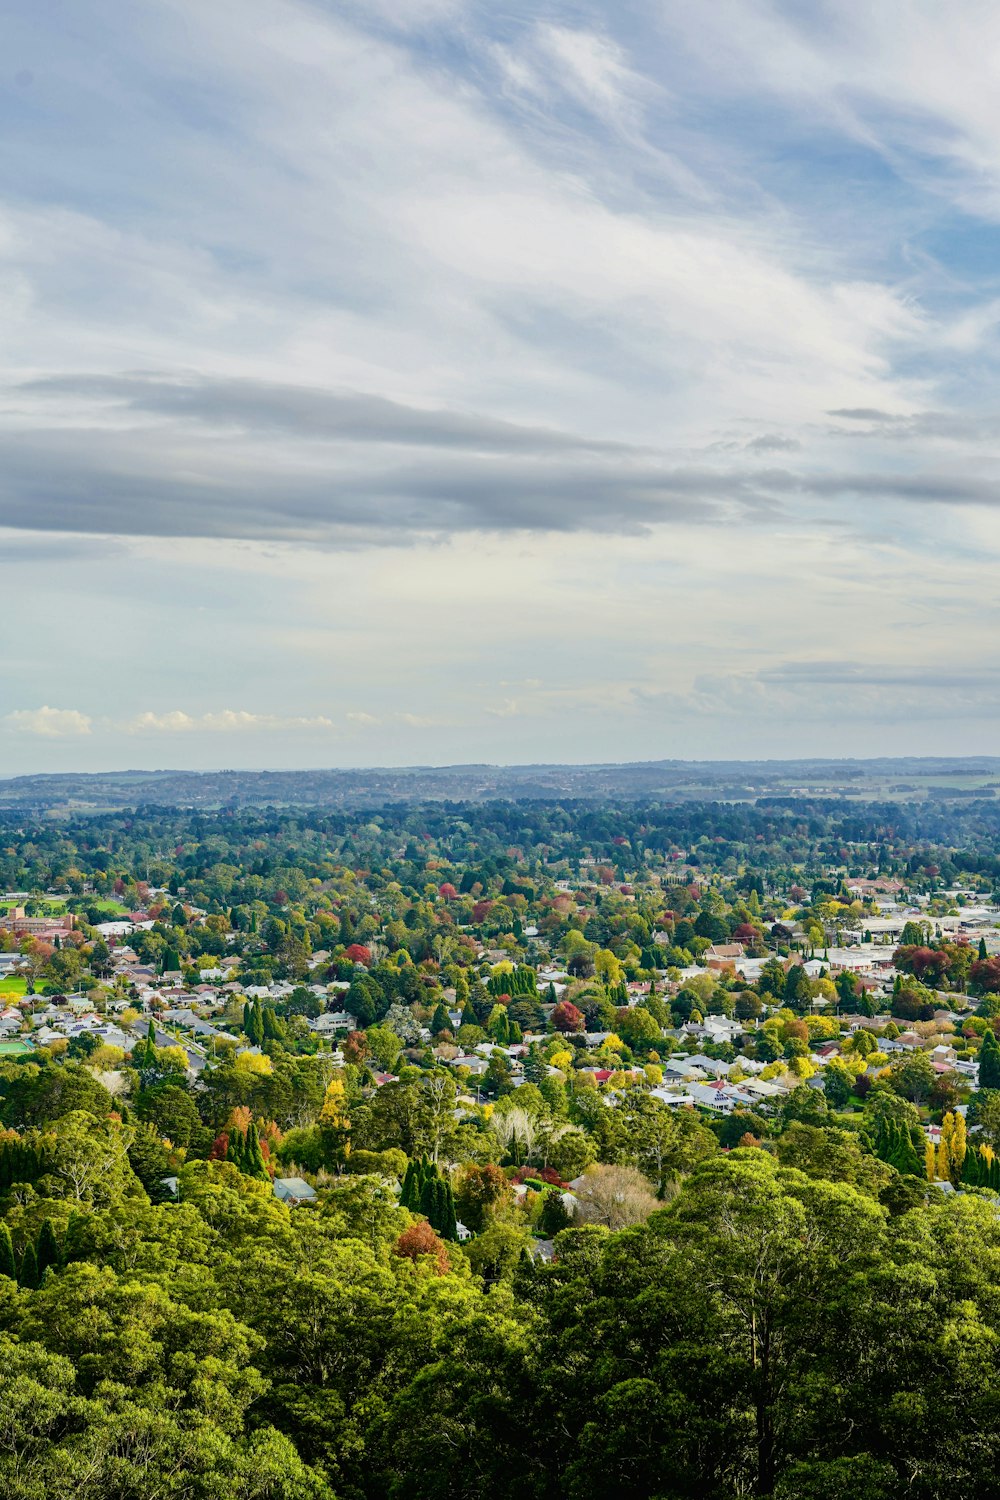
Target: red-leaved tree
{"points": [[420, 1240]]}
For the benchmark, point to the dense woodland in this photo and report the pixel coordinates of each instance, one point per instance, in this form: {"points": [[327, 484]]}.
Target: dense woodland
{"points": [[647, 1301]]}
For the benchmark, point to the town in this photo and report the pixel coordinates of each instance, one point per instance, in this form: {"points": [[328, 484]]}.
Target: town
{"points": [[265, 1063]]}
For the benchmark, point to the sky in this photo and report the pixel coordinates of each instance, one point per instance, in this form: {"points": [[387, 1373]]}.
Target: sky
{"points": [[394, 382]]}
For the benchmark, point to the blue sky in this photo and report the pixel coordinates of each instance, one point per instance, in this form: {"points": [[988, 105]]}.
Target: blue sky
{"points": [[421, 381]]}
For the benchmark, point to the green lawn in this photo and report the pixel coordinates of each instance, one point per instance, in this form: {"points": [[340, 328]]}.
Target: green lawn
{"points": [[19, 987]]}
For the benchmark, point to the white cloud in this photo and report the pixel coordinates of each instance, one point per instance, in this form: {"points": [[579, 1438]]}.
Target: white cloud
{"points": [[50, 723], [224, 721]]}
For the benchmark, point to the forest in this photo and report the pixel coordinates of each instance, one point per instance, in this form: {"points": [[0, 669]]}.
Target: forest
{"points": [[375, 1154]]}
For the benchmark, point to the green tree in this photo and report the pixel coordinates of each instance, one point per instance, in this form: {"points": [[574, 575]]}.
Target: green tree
{"points": [[989, 1062]]}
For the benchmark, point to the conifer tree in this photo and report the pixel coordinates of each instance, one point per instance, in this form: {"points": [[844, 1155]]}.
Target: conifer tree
{"points": [[989, 1062], [8, 1266], [28, 1273], [428, 1199], [406, 1188], [254, 1164], [255, 1026], [47, 1247], [236, 1149], [449, 1226], [982, 949], [971, 1168]]}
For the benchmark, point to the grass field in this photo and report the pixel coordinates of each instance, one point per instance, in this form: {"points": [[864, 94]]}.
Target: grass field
{"points": [[15, 988]]}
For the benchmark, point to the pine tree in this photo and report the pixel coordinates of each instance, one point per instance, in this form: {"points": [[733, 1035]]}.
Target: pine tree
{"points": [[989, 1062], [8, 1266], [28, 1273], [441, 1021], [47, 1247]]}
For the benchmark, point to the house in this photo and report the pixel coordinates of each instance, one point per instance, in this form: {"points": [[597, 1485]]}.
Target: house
{"points": [[293, 1191], [715, 1096]]}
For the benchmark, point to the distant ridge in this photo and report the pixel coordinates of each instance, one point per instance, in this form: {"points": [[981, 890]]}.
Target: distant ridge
{"points": [[890, 779]]}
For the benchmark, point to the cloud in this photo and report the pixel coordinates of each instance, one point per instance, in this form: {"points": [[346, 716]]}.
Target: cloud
{"points": [[224, 721], [244, 405], [50, 723], [589, 69]]}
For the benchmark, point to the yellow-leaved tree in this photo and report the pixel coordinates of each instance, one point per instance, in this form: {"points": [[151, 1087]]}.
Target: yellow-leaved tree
{"points": [[334, 1119], [951, 1150]]}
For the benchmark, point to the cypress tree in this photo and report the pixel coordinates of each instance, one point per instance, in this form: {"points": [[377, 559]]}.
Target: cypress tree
{"points": [[47, 1247], [440, 1220], [970, 1168], [449, 1227], [989, 1062], [253, 1161], [236, 1150], [428, 1199], [255, 1030], [247, 1013], [28, 1274], [982, 949], [7, 1263], [406, 1189]]}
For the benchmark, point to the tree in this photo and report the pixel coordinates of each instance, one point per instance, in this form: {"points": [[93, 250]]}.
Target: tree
{"points": [[420, 1242], [480, 1192], [384, 1045], [46, 1248], [637, 1027], [28, 1275], [952, 1148], [8, 1266], [554, 1215], [838, 1085], [566, 1017], [614, 1196], [989, 1062]]}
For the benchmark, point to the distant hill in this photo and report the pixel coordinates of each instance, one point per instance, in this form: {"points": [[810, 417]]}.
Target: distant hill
{"points": [[890, 779]]}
